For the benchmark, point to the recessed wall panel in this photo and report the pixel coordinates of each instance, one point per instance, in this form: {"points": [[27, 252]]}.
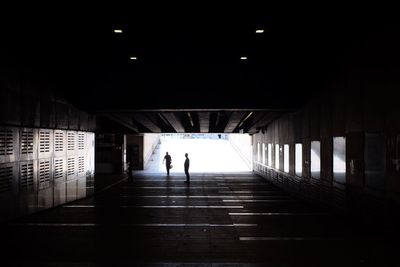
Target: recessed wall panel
{"points": [[71, 168], [45, 145], [72, 142], [339, 159], [286, 158], [59, 169], [277, 157], [45, 177], [316, 159], [60, 143], [9, 143], [299, 159], [374, 160], [28, 144], [9, 178], [269, 157]]}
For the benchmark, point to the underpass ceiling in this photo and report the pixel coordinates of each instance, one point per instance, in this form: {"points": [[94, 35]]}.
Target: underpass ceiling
{"points": [[193, 121], [190, 58]]}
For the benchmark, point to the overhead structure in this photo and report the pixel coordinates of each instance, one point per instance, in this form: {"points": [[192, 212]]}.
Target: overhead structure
{"points": [[190, 121]]}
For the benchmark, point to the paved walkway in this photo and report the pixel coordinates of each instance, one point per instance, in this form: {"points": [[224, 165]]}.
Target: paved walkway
{"points": [[217, 220]]}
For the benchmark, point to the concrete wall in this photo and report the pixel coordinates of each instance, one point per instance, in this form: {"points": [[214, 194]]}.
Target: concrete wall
{"points": [[367, 115], [46, 150], [150, 142], [110, 153], [136, 140], [146, 144]]}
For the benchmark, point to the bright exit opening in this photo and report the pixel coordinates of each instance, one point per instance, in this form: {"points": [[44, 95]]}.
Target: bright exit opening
{"points": [[207, 152]]}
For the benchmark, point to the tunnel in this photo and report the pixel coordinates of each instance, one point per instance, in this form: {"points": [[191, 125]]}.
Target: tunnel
{"points": [[283, 127]]}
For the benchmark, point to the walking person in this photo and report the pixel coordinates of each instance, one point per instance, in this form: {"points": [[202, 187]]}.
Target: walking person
{"points": [[167, 159], [187, 163], [130, 171]]}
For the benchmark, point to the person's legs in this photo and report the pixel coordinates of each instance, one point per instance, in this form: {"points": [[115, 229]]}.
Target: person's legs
{"points": [[187, 175], [167, 167]]}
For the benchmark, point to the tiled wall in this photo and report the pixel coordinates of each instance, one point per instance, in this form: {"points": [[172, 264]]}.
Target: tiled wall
{"points": [[42, 168]]}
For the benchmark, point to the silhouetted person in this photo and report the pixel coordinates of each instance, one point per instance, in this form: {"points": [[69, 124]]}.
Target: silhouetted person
{"points": [[187, 163], [167, 159], [130, 171]]}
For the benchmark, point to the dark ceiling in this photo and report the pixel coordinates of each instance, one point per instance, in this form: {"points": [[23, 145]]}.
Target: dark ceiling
{"points": [[187, 121], [188, 57]]}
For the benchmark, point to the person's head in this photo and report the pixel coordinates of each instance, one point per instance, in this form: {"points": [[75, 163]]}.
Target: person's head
{"points": [[166, 153], [186, 155]]}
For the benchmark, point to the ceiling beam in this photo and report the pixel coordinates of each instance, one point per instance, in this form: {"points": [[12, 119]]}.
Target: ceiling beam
{"points": [[262, 119], [174, 121], [233, 121], [190, 118], [204, 121], [123, 120], [146, 122]]}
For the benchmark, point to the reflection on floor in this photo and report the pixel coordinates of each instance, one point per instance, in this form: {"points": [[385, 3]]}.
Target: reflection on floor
{"points": [[217, 220]]}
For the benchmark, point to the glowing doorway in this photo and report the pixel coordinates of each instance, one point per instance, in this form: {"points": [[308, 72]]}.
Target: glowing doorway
{"points": [[207, 153]]}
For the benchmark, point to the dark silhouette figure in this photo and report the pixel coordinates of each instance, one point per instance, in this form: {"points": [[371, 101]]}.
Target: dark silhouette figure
{"points": [[130, 171], [167, 159], [187, 163]]}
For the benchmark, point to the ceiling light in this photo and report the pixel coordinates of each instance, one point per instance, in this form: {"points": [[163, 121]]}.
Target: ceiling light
{"points": [[117, 31], [243, 58], [260, 31], [133, 58]]}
